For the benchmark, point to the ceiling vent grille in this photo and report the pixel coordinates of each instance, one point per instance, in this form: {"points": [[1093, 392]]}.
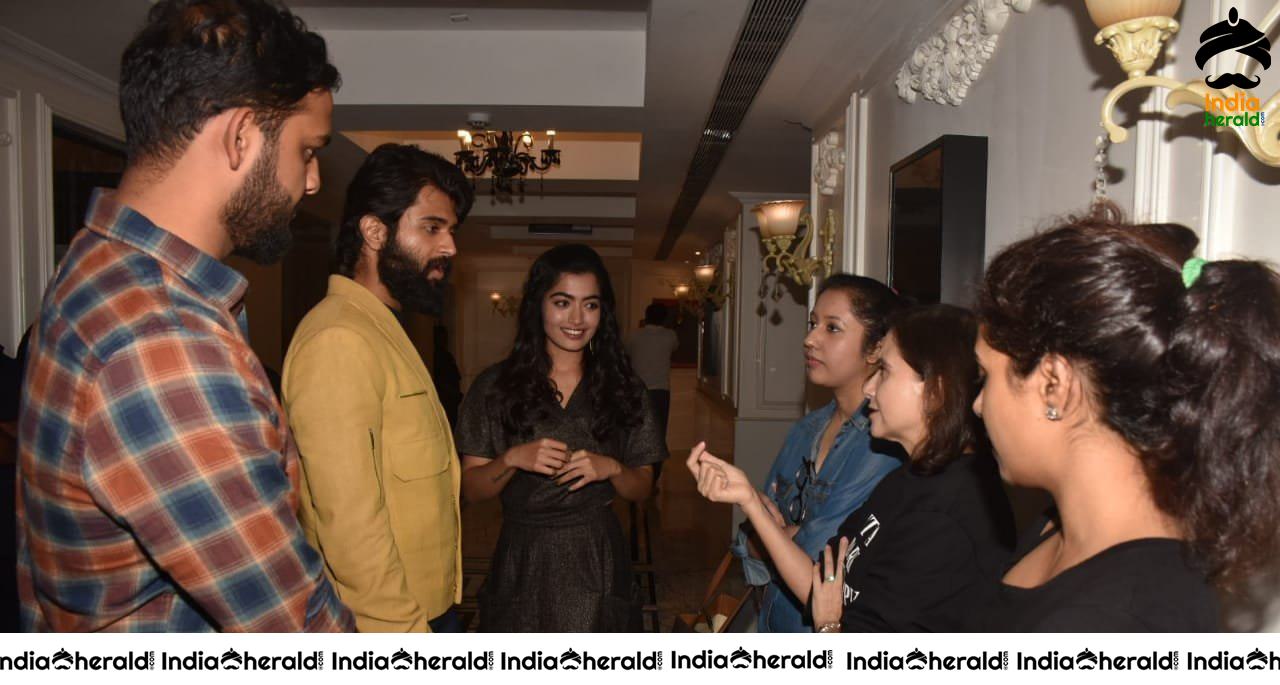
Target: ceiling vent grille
{"points": [[768, 24]]}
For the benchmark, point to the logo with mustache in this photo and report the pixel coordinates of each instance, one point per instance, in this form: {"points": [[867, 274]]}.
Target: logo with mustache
{"points": [[1256, 660], [1233, 34], [401, 660], [1086, 660], [61, 660], [916, 660], [231, 660], [570, 660]]}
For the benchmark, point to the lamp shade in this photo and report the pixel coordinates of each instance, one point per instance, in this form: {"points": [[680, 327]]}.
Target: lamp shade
{"points": [[704, 274], [1107, 12], [495, 296], [682, 290], [782, 217], [762, 221]]}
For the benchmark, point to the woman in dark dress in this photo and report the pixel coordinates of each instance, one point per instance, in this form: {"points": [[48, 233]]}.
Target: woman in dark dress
{"points": [[917, 553], [559, 428], [1138, 386]]}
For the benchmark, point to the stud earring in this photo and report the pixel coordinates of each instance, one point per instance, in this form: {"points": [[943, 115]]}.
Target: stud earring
{"points": [[1052, 414]]}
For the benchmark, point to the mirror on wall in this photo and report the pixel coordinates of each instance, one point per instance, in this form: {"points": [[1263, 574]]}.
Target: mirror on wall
{"points": [[937, 220]]}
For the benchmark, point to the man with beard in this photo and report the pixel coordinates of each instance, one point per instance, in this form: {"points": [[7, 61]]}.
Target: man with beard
{"points": [[380, 472], [158, 479]]}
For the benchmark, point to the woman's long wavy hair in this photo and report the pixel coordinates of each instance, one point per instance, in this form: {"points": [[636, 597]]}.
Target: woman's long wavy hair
{"points": [[524, 393]]}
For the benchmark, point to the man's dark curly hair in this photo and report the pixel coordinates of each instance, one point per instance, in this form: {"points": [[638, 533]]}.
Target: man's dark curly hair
{"points": [[387, 184], [524, 394], [195, 59]]}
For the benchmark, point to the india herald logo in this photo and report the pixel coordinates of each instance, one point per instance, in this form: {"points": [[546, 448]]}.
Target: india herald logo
{"points": [[1234, 34]]}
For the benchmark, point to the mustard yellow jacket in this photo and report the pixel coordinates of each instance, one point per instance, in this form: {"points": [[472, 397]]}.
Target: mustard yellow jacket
{"points": [[380, 472]]}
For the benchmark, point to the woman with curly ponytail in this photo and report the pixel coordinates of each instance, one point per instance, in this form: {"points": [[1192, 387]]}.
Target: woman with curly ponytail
{"points": [[1139, 388], [557, 429]]}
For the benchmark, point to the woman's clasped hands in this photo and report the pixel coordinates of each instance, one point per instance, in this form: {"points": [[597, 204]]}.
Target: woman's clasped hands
{"points": [[551, 457]]}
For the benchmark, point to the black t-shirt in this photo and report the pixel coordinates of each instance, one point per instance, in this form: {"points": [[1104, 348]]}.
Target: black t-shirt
{"points": [[921, 548], [1144, 585]]}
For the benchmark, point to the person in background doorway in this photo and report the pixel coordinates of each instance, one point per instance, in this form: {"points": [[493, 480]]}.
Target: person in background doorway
{"points": [[650, 349]]}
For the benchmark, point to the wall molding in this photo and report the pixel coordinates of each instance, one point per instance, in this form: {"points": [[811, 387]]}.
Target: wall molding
{"points": [[830, 156], [30, 54], [943, 67], [40, 237], [11, 263]]}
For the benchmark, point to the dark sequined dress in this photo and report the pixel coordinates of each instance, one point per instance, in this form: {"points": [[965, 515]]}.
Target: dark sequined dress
{"points": [[562, 563]]}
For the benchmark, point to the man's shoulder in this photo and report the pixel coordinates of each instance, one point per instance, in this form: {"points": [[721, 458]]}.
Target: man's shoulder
{"points": [[110, 295], [337, 312]]}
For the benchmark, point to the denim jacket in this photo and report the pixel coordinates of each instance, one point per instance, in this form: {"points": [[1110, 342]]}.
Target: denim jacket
{"points": [[849, 474]]}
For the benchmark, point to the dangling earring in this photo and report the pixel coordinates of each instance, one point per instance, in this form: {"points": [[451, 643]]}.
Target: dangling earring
{"points": [[1052, 414], [591, 345]]}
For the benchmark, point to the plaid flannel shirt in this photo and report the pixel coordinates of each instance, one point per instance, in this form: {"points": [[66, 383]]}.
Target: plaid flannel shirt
{"points": [[158, 480]]}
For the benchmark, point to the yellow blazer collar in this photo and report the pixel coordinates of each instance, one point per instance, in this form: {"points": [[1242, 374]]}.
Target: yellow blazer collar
{"points": [[382, 317]]}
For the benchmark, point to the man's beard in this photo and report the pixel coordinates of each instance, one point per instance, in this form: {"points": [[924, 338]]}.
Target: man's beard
{"points": [[259, 213], [408, 282]]}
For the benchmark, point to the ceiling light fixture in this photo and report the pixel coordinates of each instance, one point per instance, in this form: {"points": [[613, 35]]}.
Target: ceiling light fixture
{"points": [[505, 155]]}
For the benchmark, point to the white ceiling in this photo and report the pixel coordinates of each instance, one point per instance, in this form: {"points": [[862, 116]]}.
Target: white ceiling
{"points": [[429, 83]]}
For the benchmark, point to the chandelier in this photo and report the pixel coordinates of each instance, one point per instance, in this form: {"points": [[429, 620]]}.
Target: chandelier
{"points": [[506, 155]]}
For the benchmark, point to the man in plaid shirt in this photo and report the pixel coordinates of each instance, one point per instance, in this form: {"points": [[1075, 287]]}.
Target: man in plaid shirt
{"points": [[158, 478]]}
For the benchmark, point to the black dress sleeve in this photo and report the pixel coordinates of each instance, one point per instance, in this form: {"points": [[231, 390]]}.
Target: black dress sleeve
{"points": [[476, 434], [927, 561], [645, 444]]}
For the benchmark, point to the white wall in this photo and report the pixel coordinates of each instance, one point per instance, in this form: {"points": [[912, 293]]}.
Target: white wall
{"points": [[1038, 101], [36, 85], [548, 68]]}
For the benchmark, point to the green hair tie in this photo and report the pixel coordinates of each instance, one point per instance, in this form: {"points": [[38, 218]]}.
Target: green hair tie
{"points": [[1191, 271]]}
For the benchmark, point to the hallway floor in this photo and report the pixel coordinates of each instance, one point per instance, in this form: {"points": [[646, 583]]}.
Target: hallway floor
{"points": [[688, 535]]}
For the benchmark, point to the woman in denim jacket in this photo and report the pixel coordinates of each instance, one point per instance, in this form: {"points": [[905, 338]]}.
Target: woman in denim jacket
{"points": [[826, 467]]}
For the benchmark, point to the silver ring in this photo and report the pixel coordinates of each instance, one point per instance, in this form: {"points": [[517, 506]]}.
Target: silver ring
{"points": [[831, 578]]}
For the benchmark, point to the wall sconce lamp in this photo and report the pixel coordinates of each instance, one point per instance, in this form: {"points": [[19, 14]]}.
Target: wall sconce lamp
{"points": [[503, 305], [707, 287], [1135, 31], [779, 222]]}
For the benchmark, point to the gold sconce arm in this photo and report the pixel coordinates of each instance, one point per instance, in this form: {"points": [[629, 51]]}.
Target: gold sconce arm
{"points": [[504, 305], [796, 264]]}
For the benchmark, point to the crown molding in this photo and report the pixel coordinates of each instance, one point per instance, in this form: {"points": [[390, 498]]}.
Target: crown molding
{"points": [[24, 52]]}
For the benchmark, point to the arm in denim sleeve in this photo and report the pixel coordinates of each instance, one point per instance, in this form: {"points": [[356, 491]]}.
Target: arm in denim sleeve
{"points": [[186, 452], [757, 571], [858, 485]]}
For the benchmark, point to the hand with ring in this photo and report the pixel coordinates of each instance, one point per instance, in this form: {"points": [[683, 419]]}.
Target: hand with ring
{"points": [[827, 593]]}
